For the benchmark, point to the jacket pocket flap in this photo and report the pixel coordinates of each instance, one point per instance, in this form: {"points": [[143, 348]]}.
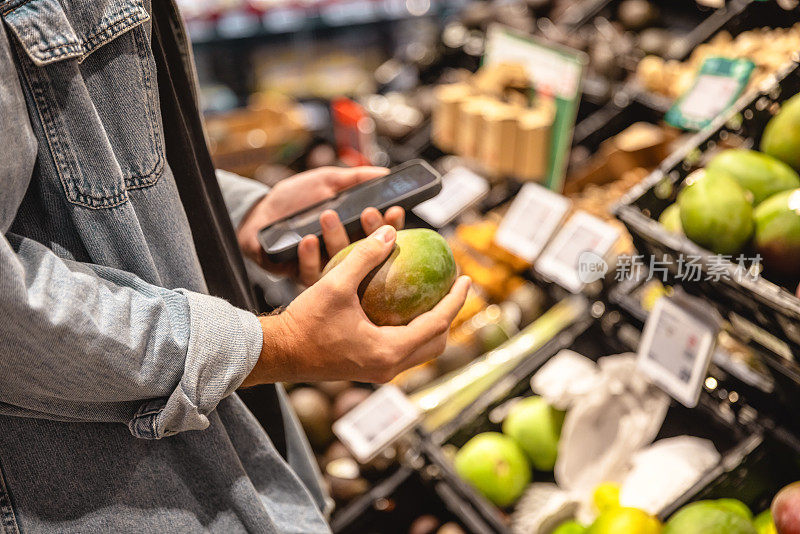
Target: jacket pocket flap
{"points": [[49, 31]]}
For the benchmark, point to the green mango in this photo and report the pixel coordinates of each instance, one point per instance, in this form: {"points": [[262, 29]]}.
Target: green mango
{"points": [[418, 273], [536, 426], [570, 527], [708, 517], [777, 232], [671, 219], [736, 506], [495, 465], [716, 212], [764, 523], [761, 174], [781, 137]]}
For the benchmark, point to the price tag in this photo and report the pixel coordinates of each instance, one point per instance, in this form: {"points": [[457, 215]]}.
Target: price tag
{"points": [[461, 188], [532, 218], [676, 348], [377, 422], [576, 255], [719, 83]]}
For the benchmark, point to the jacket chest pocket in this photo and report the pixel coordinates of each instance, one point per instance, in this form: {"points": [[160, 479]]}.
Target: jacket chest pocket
{"points": [[90, 76]]}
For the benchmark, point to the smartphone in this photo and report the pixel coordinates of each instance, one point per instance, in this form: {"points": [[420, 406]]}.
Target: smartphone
{"points": [[406, 186]]}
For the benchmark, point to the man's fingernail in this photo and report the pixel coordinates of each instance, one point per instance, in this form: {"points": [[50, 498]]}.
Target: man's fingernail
{"points": [[327, 222], [372, 217], [384, 234]]}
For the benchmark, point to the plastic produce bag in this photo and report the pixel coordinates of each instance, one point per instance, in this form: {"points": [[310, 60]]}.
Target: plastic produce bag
{"points": [[665, 470]]}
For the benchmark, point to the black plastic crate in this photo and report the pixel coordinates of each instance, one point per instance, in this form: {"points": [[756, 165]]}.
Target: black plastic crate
{"points": [[416, 489], [736, 17], [686, 15], [767, 464], [775, 310], [711, 419]]}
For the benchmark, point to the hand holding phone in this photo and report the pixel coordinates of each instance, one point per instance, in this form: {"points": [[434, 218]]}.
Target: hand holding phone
{"points": [[406, 186]]}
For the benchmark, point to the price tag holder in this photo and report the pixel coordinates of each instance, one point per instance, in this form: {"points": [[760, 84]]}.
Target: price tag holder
{"points": [[576, 255], [531, 220], [461, 188], [377, 422], [719, 82], [676, 348]]}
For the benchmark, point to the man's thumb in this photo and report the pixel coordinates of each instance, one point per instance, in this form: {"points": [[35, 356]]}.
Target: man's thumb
{"points": [[366, 255]]}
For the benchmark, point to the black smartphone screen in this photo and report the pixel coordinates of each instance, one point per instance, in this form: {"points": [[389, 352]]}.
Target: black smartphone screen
{"points": [[380, 193]]}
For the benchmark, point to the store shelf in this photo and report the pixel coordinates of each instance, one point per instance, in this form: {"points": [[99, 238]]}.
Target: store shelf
{"points": [[709, 420], [760, 312], [290, 20]]}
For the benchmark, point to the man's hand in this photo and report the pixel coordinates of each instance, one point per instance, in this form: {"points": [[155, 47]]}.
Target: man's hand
{"points": [[299, 192], [324, 334]]}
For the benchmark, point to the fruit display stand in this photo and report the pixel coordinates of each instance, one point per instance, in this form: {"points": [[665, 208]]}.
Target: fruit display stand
{"points": [[417, 493], [611, 333], [762, 464], [759, 308], [768, 465]]}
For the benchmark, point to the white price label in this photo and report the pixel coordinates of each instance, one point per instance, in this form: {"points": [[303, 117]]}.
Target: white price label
{"points": [[461, 188], [675, 350], [532, 218], [377, 422], [710, 96], [577, 254]]}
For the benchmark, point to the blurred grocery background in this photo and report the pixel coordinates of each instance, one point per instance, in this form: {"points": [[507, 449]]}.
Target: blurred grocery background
{"points": [[658, 128]]}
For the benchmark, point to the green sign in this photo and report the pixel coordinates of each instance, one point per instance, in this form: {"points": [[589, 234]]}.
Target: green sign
{"points": [[555, 70], [719, 82]]}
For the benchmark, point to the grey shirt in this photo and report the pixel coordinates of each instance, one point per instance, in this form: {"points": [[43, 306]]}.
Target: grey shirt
{"points": [[117, 369]]}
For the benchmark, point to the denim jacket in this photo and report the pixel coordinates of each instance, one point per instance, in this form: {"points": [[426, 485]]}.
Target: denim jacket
{"points": [[117, 369]]}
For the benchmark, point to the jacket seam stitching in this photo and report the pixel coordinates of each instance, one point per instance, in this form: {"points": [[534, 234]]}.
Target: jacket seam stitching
{"points": [[94, 40], [11, 10], [70, 185]]}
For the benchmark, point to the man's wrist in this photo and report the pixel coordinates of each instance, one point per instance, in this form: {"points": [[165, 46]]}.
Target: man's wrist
{"points": [[274, 363]]}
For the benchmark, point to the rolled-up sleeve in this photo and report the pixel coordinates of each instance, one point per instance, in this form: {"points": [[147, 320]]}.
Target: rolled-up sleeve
{"points": [[240, 194], [89, 343], [224, 345]]}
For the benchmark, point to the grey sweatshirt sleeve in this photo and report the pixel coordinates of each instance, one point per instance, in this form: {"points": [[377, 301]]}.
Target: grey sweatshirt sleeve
{"points": [[240, 194], [81, 342]]}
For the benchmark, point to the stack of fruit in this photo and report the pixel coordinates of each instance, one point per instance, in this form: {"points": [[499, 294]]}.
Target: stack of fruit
{"points": [[499, 465], [744, 197]]}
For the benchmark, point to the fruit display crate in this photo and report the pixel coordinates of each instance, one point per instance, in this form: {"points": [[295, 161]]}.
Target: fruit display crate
{"points": [[713, 418], [735, 17], [760, 390], [417, 489], [687, 23], [686, 14], [768, 312], [768, 462]]}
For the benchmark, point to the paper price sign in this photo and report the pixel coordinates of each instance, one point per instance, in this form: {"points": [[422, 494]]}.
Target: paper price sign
{"points": [[377, 422], [576, 255], [555, 70], [532, 218], [676, 349], [461, 188]]}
